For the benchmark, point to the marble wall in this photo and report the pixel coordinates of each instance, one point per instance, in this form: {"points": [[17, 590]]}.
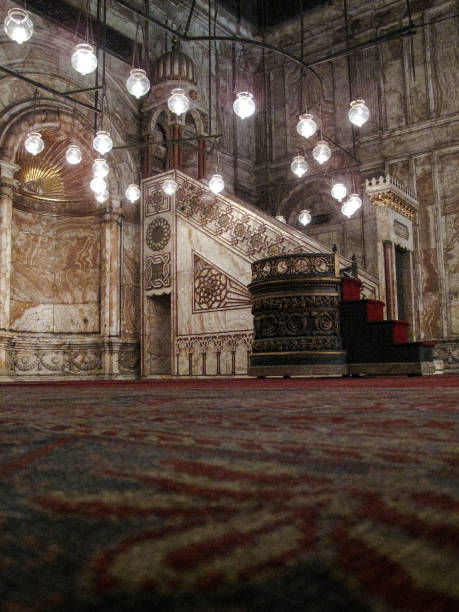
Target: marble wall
{"points": [[55, 273]]}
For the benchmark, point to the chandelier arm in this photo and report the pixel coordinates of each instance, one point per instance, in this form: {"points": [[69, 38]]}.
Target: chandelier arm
{"points": [[190, 15], [166, 142], [48, 89], [85, 89], [338, 146]]}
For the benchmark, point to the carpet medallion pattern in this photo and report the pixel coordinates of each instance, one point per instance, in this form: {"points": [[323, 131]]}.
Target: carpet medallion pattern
{"points": [[270, 496]]}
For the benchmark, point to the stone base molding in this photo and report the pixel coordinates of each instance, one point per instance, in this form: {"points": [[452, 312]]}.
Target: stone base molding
{"points": [[448, 352], [41, 358]]}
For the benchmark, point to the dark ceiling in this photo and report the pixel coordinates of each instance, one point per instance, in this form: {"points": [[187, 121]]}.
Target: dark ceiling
{"points": [[269, 12]]}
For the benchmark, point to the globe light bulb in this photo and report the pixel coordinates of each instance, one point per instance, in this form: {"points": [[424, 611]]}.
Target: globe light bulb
{"points": [[17, 25], [84, 59], [304, 217], [281, 218], [73, 154], [216, 183], [98, 185], [34, 143], [358, 113], [339, 191], [244, 106], [138, 84], [169, 186], [132, 193], [102, 196], [178, 102], [299, 165], [306, 125], [351, 205], [100, 168], [102, 142], [321, 152]]}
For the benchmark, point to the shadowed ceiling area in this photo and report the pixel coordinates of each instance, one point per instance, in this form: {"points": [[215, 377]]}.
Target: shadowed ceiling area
{"points": [[269, 12]]}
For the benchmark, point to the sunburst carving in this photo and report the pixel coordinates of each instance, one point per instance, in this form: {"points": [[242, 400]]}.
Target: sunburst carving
{"points": [[49, 176]]}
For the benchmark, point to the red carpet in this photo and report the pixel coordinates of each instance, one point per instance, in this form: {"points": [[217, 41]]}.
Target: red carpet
{"points": [[231, 495]]}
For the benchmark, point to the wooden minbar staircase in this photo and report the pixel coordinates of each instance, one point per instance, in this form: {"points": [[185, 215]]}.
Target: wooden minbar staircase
{"points": [[375, 346]]}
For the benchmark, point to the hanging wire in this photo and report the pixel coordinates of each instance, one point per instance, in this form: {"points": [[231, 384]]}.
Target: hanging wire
{"points": [[96, 93], [35, 100], [411, 44], [300, 3], [209, 23], [135, 50]]}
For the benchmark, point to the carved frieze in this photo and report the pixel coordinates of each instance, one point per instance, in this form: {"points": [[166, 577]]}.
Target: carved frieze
{"points": [[292, 265], [129, 357]]}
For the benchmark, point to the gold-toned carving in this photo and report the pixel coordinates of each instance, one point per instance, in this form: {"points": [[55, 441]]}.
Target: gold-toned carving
{"points": [[390, 200]]}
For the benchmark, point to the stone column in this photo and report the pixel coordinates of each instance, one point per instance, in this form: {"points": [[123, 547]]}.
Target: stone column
{"points": [[175, 150], [110, 286], [389, 278], [7, 171]]}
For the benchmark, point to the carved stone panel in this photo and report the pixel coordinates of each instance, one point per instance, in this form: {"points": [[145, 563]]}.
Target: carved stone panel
{"points": [[158, 271], [214, 289]]}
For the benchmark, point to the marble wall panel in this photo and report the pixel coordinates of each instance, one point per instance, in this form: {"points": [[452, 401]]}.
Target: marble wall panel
{"points": [[448, 171], [76, 286], [76, 318], [130, 272], [31, 285], [31, 317], [130, 311], [446, 61], [419, 109], [452, 266], [77, 244], [130, 281], [393, 80]]}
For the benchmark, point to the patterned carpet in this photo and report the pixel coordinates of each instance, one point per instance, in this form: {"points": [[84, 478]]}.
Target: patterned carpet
{"points": [[236, 497]]}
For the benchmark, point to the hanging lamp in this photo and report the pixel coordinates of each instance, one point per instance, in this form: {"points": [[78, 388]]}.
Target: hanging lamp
{"points": [[351, 205], [169, 186], [306, 125], [178, 101], [244, 106], [18, 26], [132, 192], [34, 143], [321, 152], [299, 165], [216, 183], [84, 59], [100, 168], [339, 191], [358, 113], [304, 217], [102, 142], [73, 155]]}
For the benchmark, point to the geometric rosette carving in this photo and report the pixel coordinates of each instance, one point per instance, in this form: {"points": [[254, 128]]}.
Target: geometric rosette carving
{"points": [[214, 289]]}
